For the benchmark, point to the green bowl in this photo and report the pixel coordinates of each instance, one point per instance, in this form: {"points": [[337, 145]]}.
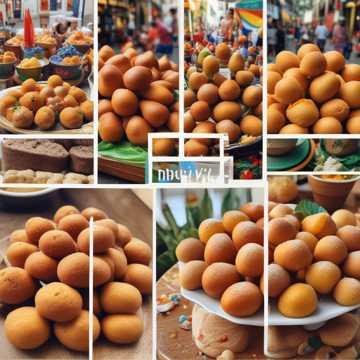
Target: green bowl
{"points": [[290, 160], [29, 73], [83, 49], [67, 72], [7, 70], [32, 73]]}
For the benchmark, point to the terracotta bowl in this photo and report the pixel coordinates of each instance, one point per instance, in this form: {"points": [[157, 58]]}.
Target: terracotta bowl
{"points": [[331, 194]]}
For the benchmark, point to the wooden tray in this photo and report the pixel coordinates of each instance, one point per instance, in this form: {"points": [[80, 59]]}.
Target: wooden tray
{"points": [[173, 343], [120, 170], [8, 125]]}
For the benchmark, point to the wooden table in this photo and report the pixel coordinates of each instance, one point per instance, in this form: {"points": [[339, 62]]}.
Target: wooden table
{"points": [[123, 206]]}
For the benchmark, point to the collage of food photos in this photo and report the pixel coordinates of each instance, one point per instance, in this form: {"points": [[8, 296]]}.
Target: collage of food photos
{"points": [[179, 179]]}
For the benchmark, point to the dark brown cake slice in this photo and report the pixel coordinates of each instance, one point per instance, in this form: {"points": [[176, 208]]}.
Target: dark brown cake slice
{"points": [[82, 159], [42, 155]]}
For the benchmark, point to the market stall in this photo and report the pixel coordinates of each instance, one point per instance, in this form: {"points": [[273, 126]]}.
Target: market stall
{"points": [[223, 64], [46, 73]]}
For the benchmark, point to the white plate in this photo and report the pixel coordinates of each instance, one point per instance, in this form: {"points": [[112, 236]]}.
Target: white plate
{"points": [[26, 194], [86, 128], [211, 305], [327, 309]]}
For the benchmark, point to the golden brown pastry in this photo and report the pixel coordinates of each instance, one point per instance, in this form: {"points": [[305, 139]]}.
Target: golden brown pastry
{"points": [[26, 329]]}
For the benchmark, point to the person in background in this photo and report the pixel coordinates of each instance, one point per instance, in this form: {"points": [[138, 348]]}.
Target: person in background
{"points": [[60, 29], [131, 24], [174, 24], [153, 35], [339, 36], [166, 30], [280, 38], [297, 34], [321, 34], [348, 48], [226, 25], [272, 38]]}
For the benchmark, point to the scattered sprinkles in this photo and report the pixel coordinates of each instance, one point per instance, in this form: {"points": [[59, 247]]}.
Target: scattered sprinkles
{"points": [[185, 322], [166, 303]]}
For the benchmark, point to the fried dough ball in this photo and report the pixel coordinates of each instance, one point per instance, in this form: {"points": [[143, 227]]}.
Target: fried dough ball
{"points": [[64, 211], [351, 236], [191, 274], [57, 244], [124, 235], [122, 329], [278, 280], [210, 227], [343, 217], [297, 301], [280, 230], [220, 248], [320, 225], [19, 235], [37, 226], [280, 210], [351, 265], [140, 276], [253, 211], [293, 255], [331, 248], [95, 213], [190, 249], [308, 238], [347, 292], [74, 334], [250, 260], [73, 224], [22, 287], [217, 277], [120, 262], [247, 232], [120, 298], [138, 251], [58, 302], [323, 276], [26, 329], [41, 266], [18, 252], [242, 299], [231, 218]]}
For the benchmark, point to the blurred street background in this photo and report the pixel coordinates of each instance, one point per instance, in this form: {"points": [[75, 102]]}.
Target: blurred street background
{"points": [[148, 24], [331, 24]]}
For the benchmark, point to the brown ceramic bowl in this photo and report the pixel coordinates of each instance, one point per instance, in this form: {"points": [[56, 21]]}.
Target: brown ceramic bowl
{"points": [[331, 194]]}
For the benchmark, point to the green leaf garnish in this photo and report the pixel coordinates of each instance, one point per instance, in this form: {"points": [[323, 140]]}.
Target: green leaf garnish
{"points": [[306, 208]]}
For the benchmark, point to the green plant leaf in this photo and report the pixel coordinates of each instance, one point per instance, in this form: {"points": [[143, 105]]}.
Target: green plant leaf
{"points": [[206, 207], [188, 231], [169, 216], [306, 208], [193, 214], [231, 201], [164, 262]]}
